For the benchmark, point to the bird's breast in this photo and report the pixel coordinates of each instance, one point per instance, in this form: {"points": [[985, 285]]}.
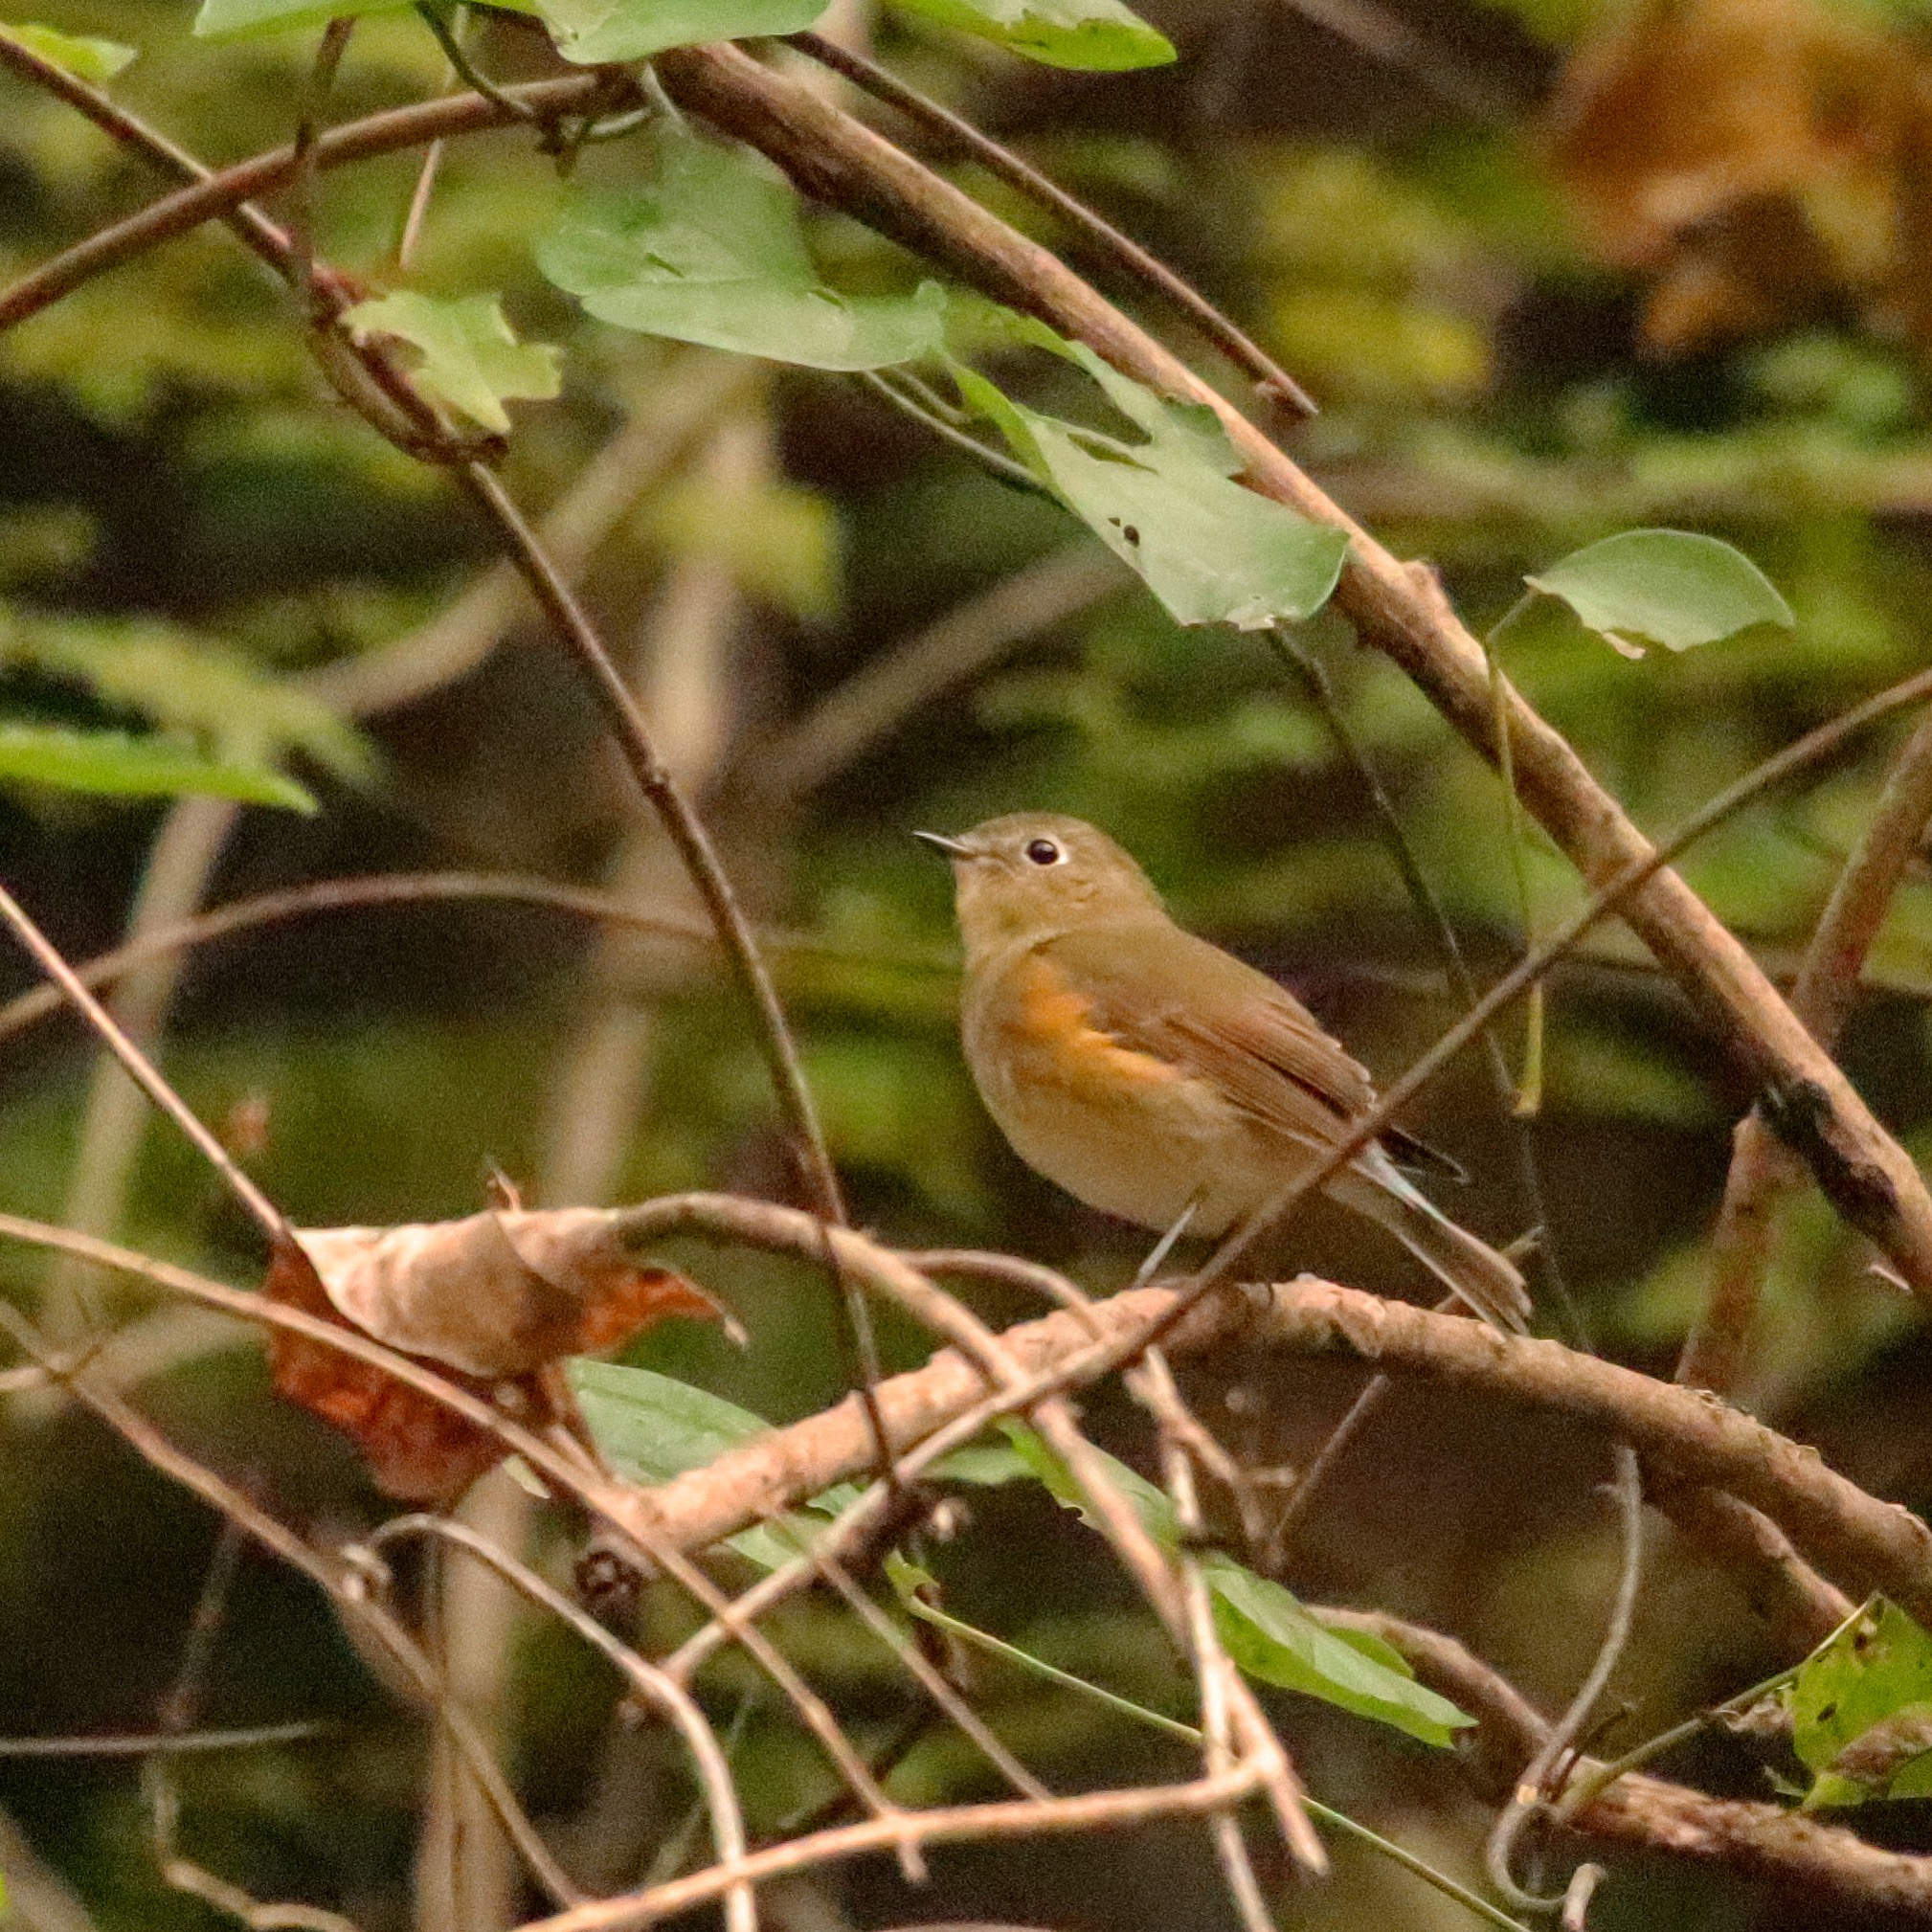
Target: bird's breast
{"points": [[1125, 1131]]}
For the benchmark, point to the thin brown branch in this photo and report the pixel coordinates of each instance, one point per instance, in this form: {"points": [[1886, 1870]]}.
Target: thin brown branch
{"points": [[955, 130], [667, 798], [215, 196], [403, 1665], [1398, 609], [1860, 1541], [1763, 1842], [567, 618], [630, 1513], [1799, 1607], [1761, 1174], [646, 1680], [1020, 1819], [418, 888], [141, 1069]]}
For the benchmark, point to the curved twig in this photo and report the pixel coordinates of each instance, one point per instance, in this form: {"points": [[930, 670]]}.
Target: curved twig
{"points": [[707, 1758], [1531, 1785]]}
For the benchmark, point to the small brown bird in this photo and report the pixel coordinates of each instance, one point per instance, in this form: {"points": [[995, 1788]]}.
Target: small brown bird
{"points": [[1149, 1073]]}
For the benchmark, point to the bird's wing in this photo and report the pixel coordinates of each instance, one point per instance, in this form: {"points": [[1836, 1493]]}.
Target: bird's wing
{"points": [[1162, 990]]}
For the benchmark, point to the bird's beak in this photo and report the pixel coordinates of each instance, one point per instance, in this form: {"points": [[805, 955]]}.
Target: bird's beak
{"points": [[954, 848]]}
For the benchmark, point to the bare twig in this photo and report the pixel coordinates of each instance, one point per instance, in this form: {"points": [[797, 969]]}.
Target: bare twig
{"points": [[1765, 1842], [404, 1666], [1761, 1172], [1274, 383], [217, 195], [1533, 1785], [142, 1070], [1017, 1818], [686, 830], [631, 1515], [714, 1776], [418, 888]]}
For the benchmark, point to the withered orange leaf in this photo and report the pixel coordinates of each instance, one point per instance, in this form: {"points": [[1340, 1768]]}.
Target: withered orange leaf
{"points": [[1746, 153], [490, 1302]]}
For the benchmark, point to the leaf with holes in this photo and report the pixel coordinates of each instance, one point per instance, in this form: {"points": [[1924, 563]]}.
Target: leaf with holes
{"points": [[116, 764], [1168, 506], [471, 360], [1674, 588], [1099, 36], [1861, 1710], [713, 252], [90, 59]]}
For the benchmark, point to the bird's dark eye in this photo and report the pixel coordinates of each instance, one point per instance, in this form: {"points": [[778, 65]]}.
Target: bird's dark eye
{"points": [[1044, 852]]}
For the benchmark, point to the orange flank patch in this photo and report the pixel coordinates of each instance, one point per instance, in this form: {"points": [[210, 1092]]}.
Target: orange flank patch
{"points": [[1053, 1025]]}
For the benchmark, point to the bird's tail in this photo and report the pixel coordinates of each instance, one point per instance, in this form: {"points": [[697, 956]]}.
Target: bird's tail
{"points": [[1491, 1282]]}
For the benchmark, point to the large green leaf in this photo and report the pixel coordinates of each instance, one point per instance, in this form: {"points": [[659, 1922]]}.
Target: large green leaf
{"points": [[1859, 1710], [713, 252], [1169, 507], [117, 764], [471, 360], [1674, 588], [95, 61], [651, 1427], [595, 31], [1271, 1637], [1101, 35], [1265, 1630]]}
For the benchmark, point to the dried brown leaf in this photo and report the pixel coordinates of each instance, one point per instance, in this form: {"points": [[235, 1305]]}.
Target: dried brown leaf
{"points": [[490, 1302]]}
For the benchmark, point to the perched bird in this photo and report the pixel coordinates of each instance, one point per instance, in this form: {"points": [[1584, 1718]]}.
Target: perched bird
{"points": [[1149, 1073]]}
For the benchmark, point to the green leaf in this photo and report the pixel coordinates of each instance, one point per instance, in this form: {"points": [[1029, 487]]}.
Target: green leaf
{"points": [[471, 359], [1169, 507], [189, 684], [1150, 1504], [117, 764], [594, 30], [1100, 36], [650, 1427], [1267, 1631], [714, 253], [1673, 588], [1874, 1671], [985, 1465], [243, 19], [95, 61], [1270, 1636]]}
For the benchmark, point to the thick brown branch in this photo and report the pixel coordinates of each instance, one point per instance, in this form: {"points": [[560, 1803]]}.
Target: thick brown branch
{"points": [[1860, 1541], [1768, 1842], [1761, 1168], [1397, 608]]}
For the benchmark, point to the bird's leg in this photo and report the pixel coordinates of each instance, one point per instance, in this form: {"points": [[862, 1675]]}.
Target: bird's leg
{"points": [[1164, 1246]]}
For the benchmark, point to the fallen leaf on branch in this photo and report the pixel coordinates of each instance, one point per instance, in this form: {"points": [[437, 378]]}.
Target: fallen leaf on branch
{"points": [[491, 1302]]}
